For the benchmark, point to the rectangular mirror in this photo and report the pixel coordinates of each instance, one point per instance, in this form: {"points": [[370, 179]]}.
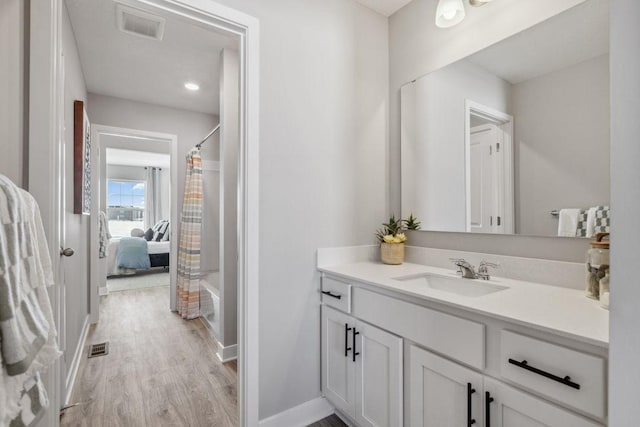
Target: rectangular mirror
{"points": [[514, 139]]}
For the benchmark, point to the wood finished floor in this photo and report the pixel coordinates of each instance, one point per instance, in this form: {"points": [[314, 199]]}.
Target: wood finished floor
{"points": [[160, 370]]}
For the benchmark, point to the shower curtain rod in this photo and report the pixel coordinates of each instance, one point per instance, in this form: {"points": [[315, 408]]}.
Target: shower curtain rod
{"points": [[208, 136]]}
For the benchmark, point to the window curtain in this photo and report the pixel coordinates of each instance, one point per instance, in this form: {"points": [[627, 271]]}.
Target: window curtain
{"points": [[152, 196], [190, 233]]}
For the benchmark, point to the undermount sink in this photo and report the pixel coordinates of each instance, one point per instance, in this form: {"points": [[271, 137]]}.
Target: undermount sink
{"points": [[466, 287]]}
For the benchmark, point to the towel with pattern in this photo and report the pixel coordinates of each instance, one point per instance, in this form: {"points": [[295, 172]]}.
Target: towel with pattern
{"points": [[27, 330]]}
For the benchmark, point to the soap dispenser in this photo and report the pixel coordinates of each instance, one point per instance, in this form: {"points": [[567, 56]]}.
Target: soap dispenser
{"points": [[597, 264]]}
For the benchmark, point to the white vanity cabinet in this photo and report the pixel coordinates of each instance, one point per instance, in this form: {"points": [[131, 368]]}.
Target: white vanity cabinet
{"points": [[361, 370], [455, 368], [446, 394]]}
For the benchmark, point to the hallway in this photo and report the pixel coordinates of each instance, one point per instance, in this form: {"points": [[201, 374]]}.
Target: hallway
{"points": [[160, 370]]}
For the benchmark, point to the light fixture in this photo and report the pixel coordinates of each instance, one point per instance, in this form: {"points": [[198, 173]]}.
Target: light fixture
{"points": [[478, 2], [192, 86], [449, 13]]}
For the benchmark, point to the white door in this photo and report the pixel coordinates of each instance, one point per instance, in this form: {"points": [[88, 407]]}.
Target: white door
{"points": [[378, 377], [514, 408], [338, 367], [486, 180], [442, 393]]}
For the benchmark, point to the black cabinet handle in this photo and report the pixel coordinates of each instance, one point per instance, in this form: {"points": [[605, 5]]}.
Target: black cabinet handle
{"points": [[346, 340], [470, 391], [487, 408], [566, 380], [332, 295], [355, 353]]}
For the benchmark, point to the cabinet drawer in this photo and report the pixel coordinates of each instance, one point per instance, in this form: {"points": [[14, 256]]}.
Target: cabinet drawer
{"points": [[336, 294], [449, 335], [569, 376]]}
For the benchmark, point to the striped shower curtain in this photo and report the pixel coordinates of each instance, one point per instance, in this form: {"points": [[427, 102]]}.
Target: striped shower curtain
{"points": [[190, 234]]}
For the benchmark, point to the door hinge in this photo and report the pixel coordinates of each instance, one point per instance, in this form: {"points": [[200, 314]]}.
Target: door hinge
{"points": [[490, 150], [497, 147], [499, 221], [491, 220]]}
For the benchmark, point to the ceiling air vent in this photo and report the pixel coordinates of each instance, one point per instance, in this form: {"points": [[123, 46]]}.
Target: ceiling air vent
{"points": [[139, 23]]}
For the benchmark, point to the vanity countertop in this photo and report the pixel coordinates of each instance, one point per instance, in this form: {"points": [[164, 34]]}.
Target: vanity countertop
{"points": [[561, 311]]}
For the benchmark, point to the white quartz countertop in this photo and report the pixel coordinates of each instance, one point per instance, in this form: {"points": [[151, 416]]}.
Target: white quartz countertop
{"points": [[561, 311]]}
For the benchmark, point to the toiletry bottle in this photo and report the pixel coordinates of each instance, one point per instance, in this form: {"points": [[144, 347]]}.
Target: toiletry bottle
{"points": [[604, 290], [597, 264]]}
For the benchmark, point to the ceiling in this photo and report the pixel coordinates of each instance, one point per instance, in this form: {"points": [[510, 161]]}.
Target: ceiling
{"points": [[385, 7], [127, 66], [574, 36], [116, 156]]}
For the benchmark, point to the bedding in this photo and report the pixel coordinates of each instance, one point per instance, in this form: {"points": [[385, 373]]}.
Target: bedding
{"points": [[133, 253], [158, 254]]}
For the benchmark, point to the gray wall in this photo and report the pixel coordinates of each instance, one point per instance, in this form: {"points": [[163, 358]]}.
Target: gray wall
{"points": [[76, 268], [323, 131], [417, 48], [229, 155], [561, 144], [624, 375], [190, 128], [11, 89]]}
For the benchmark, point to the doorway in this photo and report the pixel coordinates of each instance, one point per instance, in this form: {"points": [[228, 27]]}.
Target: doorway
{"points": [[47, 153], [489, 169]]}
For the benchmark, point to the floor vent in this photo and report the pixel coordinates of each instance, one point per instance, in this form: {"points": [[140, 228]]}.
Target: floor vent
{"points": [[101, 349]]}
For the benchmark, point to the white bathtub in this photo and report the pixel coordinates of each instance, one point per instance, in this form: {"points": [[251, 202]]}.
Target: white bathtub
{"points": [[210, 301]]}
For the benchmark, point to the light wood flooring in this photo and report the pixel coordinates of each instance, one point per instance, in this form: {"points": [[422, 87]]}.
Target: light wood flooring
{"points": [[160, 371]]}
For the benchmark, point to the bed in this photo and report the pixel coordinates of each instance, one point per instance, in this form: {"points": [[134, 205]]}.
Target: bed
{"points": [[158, 256]]}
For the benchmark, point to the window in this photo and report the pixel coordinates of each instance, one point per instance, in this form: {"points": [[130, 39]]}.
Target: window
{"points": [[125, 206]]}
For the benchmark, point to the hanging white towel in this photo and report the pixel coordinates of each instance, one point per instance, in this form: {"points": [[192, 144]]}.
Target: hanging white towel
{"points": [[591, 221], [28, 344], [568, 224]]}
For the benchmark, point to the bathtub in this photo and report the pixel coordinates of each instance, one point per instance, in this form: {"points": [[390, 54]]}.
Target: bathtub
{"points": [[210, 301]]}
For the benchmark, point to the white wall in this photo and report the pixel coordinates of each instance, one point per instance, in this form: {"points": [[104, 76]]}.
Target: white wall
{"points": [[561, 143], [417, 47], [624, 376], [433, 134], [229, 155], [77, 226], [11, 89], [323, 114]]}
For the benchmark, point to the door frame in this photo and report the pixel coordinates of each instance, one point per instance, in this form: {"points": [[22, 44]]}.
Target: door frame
{"points": [[45, 159], [504, 122], [141, 138]]}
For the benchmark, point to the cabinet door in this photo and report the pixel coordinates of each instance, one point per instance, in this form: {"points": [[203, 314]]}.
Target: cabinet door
{"points": [[514, 408], [443, 393], [378, 377], [338, 368]]}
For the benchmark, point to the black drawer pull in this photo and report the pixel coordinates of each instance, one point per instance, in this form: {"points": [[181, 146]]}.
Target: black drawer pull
{"points": [[346, 340], [566, 380], [470, 391], [487, 408], [355, 353], [332, 295]]}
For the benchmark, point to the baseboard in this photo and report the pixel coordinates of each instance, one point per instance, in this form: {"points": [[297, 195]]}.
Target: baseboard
{"points": [[228, 353], [75, 362], [301, 415]]}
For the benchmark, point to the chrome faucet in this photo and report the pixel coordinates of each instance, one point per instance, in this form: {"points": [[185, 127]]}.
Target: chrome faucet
{"points": [[468, 271]]}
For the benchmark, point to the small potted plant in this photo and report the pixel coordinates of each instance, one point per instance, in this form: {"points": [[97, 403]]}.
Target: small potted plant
{"points": [[391, 237]]}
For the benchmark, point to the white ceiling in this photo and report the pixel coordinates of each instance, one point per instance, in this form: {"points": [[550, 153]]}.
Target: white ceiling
{"points": [[131, 67], [116, 156], [579, 34], [385, 7]]}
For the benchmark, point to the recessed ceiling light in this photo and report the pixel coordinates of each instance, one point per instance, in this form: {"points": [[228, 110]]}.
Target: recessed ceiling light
{"points": [[192, 86]]}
